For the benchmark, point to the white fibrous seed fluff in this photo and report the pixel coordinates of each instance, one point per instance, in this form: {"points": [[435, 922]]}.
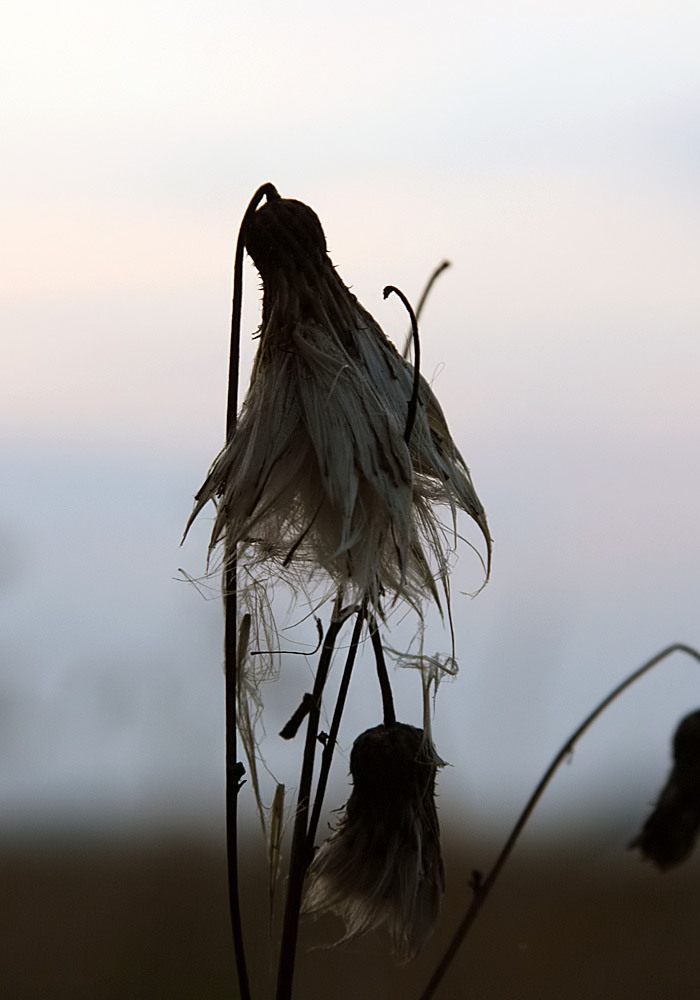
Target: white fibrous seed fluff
{"points": [[317, 478]]}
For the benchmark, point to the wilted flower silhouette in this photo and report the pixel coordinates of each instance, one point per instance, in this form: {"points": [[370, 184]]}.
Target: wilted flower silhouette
{"points": [[383, 866], [669, 835], [317, 474]]}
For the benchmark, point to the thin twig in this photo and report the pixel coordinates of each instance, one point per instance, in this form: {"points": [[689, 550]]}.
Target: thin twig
{"points": [[483, 888], [413, 403], [234, 769], [299, 860], [291, 727]]}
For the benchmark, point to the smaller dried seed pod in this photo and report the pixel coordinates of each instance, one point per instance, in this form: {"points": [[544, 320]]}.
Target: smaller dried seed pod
{"points": [[383, 865], [669, 835]]}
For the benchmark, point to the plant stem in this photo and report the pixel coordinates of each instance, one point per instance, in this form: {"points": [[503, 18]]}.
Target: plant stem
{"points": [[327, 755], [234, 773], [423, 299], [299, 859], [234, 769], [382, 674], [413, 402], [482, 890]]}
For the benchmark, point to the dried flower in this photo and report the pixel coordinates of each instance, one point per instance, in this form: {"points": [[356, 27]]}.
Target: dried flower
{"points": [[383, 866], [317, 474], [669, 835]]}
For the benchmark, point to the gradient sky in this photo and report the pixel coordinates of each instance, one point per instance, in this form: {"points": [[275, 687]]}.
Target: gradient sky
{"points": [[552, 153]]}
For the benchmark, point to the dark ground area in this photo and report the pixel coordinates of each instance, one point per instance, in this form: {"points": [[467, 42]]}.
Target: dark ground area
{"points": [[150, 920]]}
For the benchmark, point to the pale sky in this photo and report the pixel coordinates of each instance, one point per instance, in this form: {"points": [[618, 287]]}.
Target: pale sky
{"points": [[552, 153]]}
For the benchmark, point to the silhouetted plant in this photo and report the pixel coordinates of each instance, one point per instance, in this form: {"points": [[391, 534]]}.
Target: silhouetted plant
{"points": [[334, 479]]}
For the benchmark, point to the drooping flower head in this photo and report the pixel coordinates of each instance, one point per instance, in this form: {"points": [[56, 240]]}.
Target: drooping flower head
{"points": [[317, 477], [383, 865], [671, 831]]}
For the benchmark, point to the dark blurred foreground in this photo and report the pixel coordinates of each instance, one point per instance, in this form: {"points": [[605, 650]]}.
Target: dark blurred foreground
{"points": [[133, 920]]}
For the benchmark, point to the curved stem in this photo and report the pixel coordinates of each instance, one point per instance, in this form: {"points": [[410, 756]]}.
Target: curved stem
{"points": [[382, 674], [482, 890], [270, 192], [423, 299], [413, 403], [234, 769]]}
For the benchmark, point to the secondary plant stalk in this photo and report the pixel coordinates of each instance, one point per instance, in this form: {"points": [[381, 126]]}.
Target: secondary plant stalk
{"points": [[299, 859], [483, 888], [234, 774], [327, 755]]}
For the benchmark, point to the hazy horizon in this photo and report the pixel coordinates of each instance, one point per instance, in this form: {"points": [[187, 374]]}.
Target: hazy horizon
{"points": [[552, 155]]}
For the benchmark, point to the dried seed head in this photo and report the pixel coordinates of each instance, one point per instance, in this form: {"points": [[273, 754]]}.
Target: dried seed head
{"points": [[383, 866], [669, 835], [317, 477], [286, 240]]}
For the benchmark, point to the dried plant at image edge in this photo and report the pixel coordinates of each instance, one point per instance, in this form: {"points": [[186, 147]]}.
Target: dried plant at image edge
{"points": [[671, 831]]}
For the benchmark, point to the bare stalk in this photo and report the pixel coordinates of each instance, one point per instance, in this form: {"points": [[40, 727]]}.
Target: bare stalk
{"points": [[327, 755], [234, 768], [382, 674], [299, 859], [270, 192], [482, 888]]}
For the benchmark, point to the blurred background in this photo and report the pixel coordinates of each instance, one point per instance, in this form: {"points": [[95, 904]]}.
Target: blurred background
{"points": [[551, 152]]}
